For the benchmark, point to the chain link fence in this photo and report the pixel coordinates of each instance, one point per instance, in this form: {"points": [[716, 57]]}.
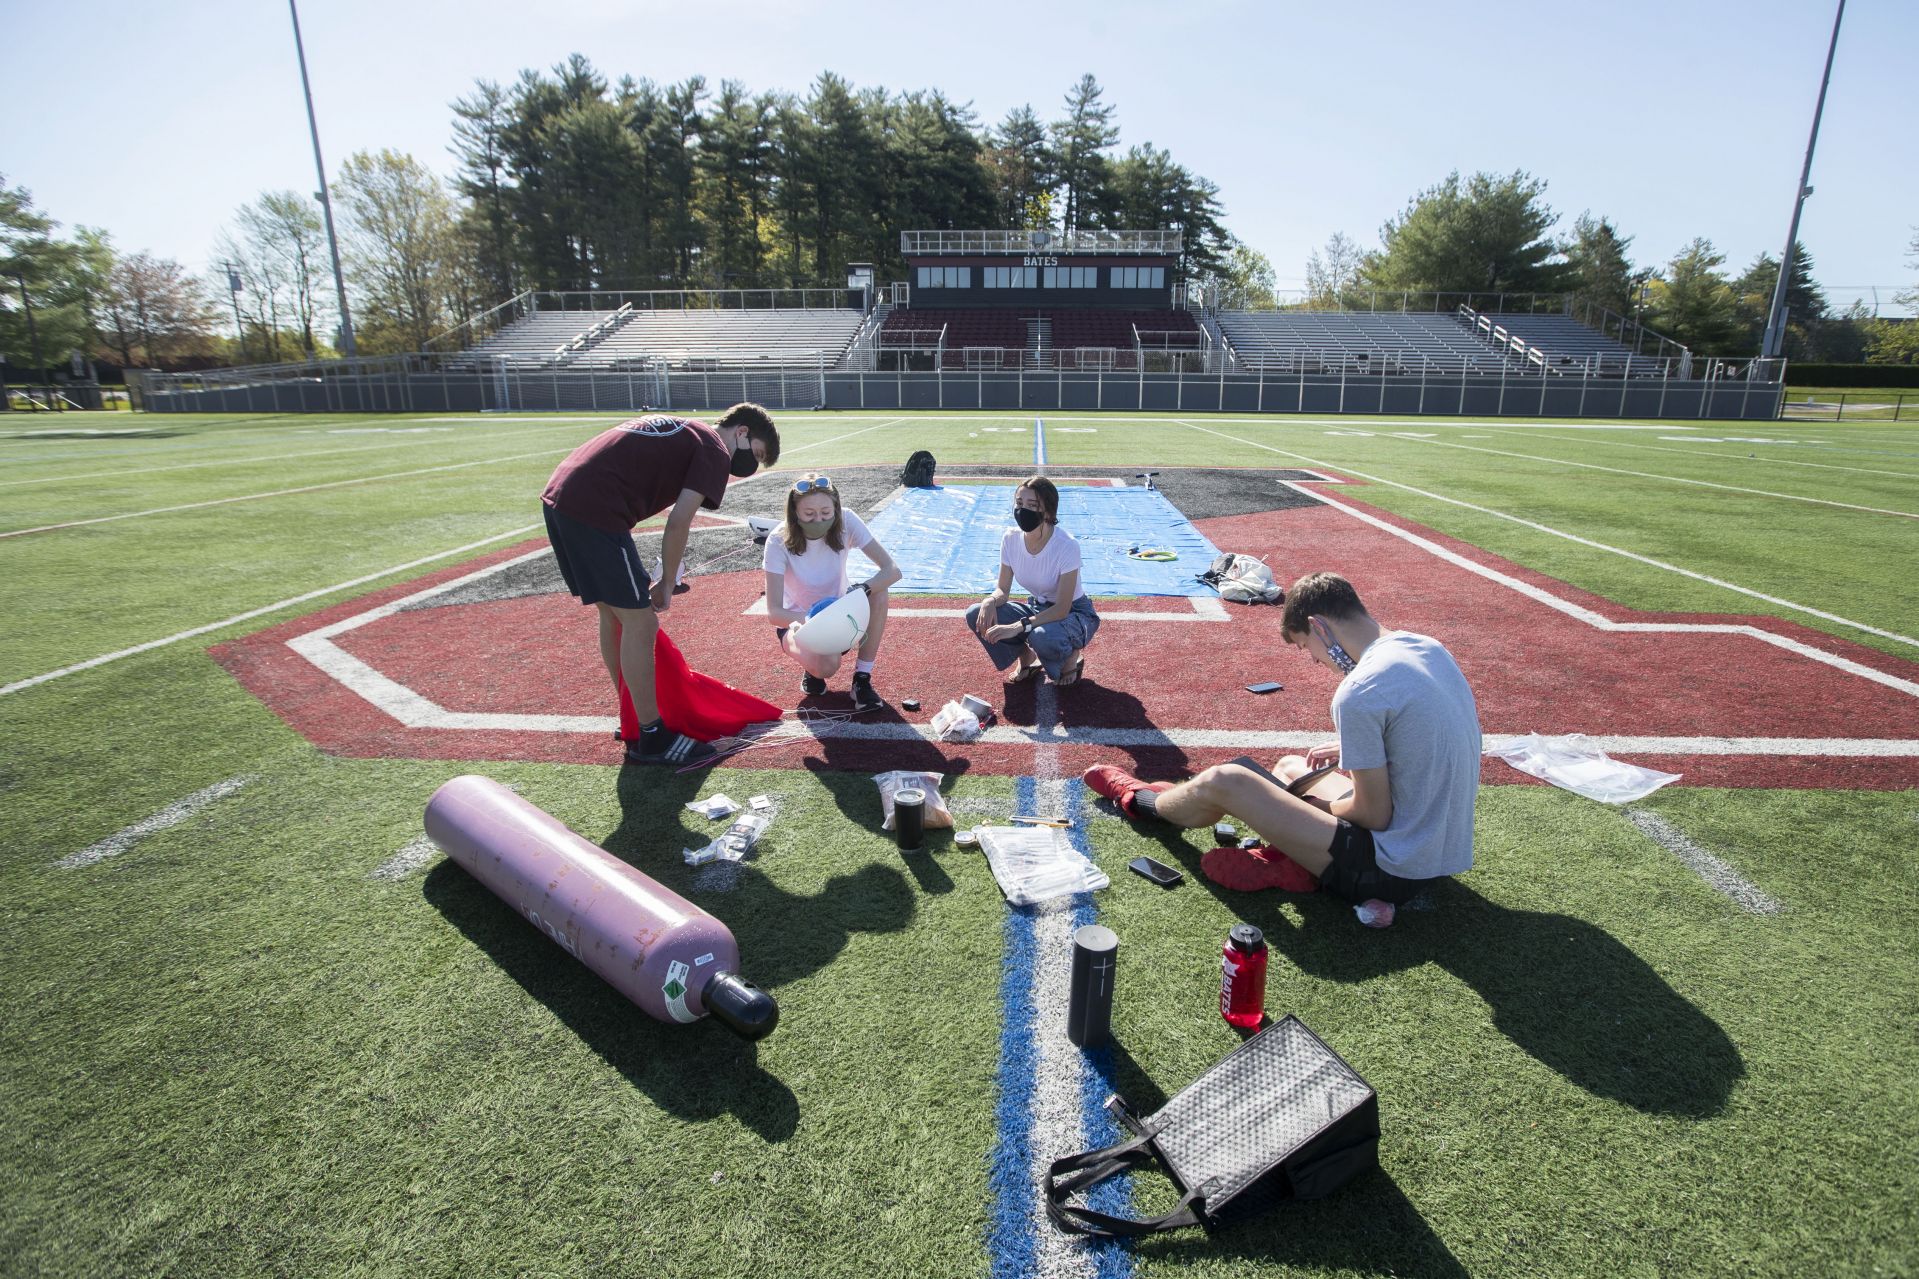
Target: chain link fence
{"points": [[413, 385]]}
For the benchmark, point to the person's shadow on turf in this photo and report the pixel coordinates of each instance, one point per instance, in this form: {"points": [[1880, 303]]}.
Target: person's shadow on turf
{"points": [[1563, 989]]}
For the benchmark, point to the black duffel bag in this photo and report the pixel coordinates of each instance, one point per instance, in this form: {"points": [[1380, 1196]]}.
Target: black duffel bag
{"points": [[1282, 1117]]}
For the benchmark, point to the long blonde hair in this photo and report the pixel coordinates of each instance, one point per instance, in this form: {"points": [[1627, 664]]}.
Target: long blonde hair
{"points": [[790, 532]]}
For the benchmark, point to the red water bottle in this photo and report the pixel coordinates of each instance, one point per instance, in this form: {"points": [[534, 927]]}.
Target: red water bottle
{"points": [[1242, 986]]}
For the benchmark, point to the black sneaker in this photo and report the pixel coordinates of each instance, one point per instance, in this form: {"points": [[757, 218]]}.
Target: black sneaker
{"points": [[812, 685], [676, 749], [864, 698]]}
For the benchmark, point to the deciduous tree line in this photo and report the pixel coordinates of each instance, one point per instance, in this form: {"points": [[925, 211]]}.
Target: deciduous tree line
{"points": [[1493, 233]]}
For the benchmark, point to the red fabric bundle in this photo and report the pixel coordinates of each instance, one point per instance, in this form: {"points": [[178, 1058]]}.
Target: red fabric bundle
{"points": [[691, 703]]}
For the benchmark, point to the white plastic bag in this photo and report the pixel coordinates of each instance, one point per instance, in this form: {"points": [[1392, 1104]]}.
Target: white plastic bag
{"points": [[1574, 762], [938, 816], [954, 723], [1036, 863], [714, 806]]}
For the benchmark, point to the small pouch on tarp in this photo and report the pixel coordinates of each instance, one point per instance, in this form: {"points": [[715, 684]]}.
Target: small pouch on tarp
{"points": [[1282, 1117]]}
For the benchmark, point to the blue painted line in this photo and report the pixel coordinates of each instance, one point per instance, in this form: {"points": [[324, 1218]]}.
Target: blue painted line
{"points": [[1039, 442], [1113, 1257], [1012, 1244]]}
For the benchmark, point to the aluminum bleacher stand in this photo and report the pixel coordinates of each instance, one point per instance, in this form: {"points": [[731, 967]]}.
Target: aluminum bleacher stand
{"points": [[1355, 342], [727, 338], [535, 338], [1571, 347]]}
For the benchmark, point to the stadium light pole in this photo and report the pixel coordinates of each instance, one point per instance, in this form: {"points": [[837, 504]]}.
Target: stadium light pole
{"points": [[1775, 340], [326, 202]]}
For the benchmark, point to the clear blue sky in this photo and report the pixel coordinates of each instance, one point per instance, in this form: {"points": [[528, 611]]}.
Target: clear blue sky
{"points": [[1674, 118]]}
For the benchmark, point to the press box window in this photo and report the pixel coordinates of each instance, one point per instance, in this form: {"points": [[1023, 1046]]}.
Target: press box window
{"points": [[1072, 277], [1009, 277], [946, 277], [1139, 277]]}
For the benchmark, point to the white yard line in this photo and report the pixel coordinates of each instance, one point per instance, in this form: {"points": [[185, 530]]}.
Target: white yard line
{"points": [[1573, 537], [1733, 456], [891, 421], [172, 815], [1720, 877], [250, 614], [243, 461], [1654, 475], [305, 488], [365, 479]]}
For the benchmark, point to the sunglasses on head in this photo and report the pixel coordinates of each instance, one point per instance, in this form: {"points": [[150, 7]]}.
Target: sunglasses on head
{"points": [[807, 486]]}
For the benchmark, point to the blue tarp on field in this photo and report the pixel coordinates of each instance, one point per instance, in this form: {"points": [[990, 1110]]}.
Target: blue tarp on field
{"points": [[946, 540]]}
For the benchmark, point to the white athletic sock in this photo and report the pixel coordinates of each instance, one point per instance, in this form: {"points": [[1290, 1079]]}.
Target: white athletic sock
{"points": [[862, 667]]}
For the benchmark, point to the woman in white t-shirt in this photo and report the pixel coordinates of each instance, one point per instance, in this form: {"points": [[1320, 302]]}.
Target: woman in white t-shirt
{"points": [[805, 563], [1051, 631]]}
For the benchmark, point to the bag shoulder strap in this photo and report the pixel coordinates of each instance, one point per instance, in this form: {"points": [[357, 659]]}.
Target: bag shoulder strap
{"points": [[1067, 1177]]}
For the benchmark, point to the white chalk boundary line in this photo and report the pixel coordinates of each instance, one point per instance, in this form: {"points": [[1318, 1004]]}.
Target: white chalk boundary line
{"points": [[250, 614], [172, 815], [1719, 876], [1654, 475], [1573, 537]]}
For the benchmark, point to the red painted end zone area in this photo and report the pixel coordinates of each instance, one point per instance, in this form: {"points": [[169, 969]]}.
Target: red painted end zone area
{"points": [[1164, 696]]}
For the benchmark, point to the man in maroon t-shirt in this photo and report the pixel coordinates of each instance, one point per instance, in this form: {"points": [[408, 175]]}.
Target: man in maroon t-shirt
{"points": [[610, 484]]}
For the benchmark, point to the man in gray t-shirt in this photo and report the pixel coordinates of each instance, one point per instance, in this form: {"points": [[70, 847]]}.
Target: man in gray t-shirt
{"points": [[1409, 747]]}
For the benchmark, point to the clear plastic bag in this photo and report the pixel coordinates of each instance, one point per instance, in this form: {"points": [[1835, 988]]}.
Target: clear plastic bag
{"points": [[714, 806], [1036, 863], [1574, 762], [732, 844], [937, 815], [954, 723]]}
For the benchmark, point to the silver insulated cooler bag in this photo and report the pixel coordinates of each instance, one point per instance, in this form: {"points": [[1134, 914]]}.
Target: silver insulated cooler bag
{"points": [[1282, 1117]]}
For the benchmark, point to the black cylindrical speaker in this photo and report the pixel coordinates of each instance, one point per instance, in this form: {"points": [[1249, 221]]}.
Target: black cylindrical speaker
{"points": [[1089, 1005]]}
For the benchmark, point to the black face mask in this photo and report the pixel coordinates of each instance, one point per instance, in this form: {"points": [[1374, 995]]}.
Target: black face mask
{"points": [[1028, 520], [745, 462]]}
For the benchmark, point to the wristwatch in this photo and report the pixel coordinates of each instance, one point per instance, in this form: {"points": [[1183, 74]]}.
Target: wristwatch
{"points": [[1025, 626]]}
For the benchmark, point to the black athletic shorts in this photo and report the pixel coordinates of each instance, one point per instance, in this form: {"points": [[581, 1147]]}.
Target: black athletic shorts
{"points": [[1355, 874], [599, 567]]}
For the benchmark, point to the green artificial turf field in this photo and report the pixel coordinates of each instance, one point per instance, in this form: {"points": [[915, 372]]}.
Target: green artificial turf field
{"points": [[237, 1048]]}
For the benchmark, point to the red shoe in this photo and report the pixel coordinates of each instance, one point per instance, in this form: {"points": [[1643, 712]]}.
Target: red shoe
{"points": [[1248, 870], [1118, 786]]}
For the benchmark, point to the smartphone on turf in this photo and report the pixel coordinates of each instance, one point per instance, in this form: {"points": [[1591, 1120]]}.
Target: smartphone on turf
{"points": [[1157, 871], [1268, 686]]}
